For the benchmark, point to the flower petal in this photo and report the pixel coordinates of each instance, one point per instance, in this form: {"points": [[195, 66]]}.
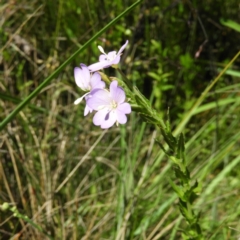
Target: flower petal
{"points": [[108, 120], [102, 57], [85, 71], [96, 81], [117, 93], [87, 110], [125, 108], [100, 117], [99, 99], [80, 79], [116, 60], [111, 56], [99, 65], [122, 48], [121, 117]]}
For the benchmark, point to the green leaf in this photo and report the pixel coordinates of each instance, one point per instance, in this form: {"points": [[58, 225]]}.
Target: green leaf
{"points": [[162, 147], [177, 189], [141, 99], [231, 24], [169, 138], [148, 118], [181, 148], [181, 173], [233, 73], [184, 210], [186, 61]]}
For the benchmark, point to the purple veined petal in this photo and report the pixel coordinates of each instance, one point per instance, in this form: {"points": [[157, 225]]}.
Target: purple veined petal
{"points": [[99, 99], [79, 79], [117, 93], [120, 116], [98, 66], [125, 108], [109, 120], [96, 81], [122, 48], [85, 71]]}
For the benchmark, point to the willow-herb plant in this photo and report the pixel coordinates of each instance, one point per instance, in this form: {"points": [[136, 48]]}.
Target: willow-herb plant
{"points": [[111, 108]]}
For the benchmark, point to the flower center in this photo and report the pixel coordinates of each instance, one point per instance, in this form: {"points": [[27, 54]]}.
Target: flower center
{"points": [[111, 56], [113, 104]]}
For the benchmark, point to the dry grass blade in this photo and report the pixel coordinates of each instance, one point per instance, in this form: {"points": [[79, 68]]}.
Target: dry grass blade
{"points": [[20, 28], [82, 160]]}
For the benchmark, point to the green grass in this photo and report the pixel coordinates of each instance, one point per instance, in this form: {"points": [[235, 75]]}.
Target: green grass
{"points": [[75, 181]]}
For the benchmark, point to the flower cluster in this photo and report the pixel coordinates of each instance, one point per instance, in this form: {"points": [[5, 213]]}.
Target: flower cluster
{"points": [[109, 104]]}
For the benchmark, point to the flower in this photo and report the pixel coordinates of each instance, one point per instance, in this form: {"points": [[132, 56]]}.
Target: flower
{"points": [[110, 106], [107, 60], [87, 83]]}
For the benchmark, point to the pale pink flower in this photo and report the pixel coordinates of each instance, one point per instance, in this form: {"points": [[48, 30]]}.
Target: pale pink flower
{"points": [[107, 60], [110, 106]]}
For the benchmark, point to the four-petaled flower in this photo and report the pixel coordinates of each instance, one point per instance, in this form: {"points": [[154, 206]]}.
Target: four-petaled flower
{"points": [[107, 60], [110, 106], [87, 82]]}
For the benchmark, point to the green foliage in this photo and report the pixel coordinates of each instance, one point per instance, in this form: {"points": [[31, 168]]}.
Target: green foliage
{"points": [[118, 184]]}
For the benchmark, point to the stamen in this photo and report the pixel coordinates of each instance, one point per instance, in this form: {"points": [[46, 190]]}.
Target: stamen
{"points": [[77, 101], [114, 104], [101, 50]]}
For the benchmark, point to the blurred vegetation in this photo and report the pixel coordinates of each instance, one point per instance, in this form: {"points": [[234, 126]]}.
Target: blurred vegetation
{"points": [[176, 49]]}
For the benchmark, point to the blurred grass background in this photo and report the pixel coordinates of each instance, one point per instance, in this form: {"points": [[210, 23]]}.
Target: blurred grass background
{"points": [[121, 188]]}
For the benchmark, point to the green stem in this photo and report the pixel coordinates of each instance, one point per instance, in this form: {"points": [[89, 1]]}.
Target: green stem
{"points": [[59, 69], [126, 81], [17, 214]]}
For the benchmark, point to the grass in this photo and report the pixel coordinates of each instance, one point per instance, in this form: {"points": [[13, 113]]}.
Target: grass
{"points": [[75, 181]]}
